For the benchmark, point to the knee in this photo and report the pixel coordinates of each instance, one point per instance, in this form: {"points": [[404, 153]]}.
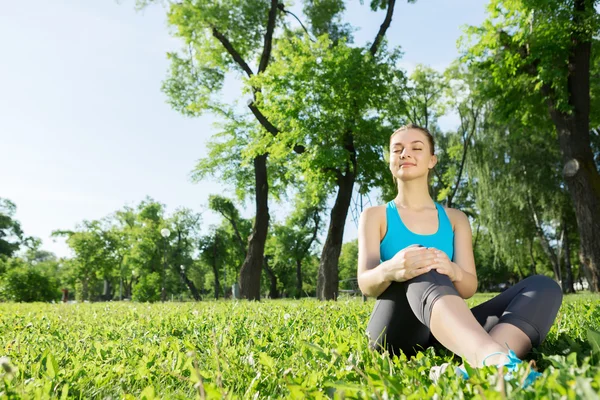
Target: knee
{"points": [[546, 285]]}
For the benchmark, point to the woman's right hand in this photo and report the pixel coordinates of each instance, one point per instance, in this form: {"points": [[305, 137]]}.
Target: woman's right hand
{"points": [[409, 263]]}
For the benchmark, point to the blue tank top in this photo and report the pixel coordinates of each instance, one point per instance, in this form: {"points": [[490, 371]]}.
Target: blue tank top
{"points": [[399, 237]]}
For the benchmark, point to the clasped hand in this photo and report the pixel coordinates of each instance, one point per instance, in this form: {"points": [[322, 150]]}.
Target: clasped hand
{"points": [[416, 260]]}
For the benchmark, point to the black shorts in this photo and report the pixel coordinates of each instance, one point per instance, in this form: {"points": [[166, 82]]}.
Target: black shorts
{"points": [[400, 319]]}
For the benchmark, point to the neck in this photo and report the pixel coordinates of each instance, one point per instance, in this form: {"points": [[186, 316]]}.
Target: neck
{"points": [[414, 194]]}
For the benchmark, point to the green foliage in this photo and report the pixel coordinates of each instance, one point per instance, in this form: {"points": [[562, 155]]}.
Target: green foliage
{"points": [[11, 234], [325, 19], [110, 251], [348, 260], [332, 99], [148, 288], [26, 283], [276, 349]]}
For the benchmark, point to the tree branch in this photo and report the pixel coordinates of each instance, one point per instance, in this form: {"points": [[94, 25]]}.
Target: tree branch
{"points": [[236, 230], [383, 28], [232, 51], [316, 219], [506, 41], [266, 54], [466, 139], [282, 8], [543, 239], [262, 119], [336, 171]]}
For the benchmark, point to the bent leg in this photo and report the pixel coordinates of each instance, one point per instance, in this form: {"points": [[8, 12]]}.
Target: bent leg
{"points": [[405, 312], [393, 325], [531, 306]]}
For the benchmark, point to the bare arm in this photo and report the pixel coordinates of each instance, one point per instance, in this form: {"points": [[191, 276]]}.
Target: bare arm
{"points": [[375, 277], [466, 277], [372, 278]]}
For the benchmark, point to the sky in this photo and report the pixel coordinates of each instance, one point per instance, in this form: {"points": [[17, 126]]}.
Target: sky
{"points": [[86, 130]]}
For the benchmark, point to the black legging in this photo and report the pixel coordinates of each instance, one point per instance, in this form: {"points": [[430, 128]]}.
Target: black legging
{"points": [[400, 319]]}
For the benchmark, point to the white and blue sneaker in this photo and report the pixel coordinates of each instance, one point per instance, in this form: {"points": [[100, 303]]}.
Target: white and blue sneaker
{"points": [[512, 365]]}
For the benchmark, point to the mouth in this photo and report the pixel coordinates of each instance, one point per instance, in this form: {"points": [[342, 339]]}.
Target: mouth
{"points": [[407, 165]]}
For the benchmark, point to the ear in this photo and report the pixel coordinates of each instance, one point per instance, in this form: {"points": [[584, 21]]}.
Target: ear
{"points": [[433, 161]]}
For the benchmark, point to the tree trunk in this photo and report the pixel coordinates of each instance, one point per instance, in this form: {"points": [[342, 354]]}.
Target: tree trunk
{"points": [[548, 249], [298, 278], [216, 270], [466, 136], [84, 289], [252, 266], [581, 175], [273, 292], [190, 284], [327, 283], [533, 270], [568, 283], [107, 291]]}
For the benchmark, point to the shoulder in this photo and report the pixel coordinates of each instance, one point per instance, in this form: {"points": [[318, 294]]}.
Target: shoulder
{"points": [[457, 218], [373, 212], [373, 216], [373, 219]]}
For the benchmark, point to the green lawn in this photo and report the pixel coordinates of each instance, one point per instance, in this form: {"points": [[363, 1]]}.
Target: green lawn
{"points": [[270, 349]]}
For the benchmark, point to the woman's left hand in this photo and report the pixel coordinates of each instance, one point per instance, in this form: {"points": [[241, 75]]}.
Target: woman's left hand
{"points": [[444, 266]]}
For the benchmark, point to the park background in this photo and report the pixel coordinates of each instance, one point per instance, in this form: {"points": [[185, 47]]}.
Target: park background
{"points": [[172, 150], [108, 140]]}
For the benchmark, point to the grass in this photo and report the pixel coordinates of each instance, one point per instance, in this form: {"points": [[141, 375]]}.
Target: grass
{"points": [[270, 349]]}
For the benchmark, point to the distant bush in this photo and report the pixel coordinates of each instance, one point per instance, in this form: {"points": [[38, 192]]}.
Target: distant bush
{"points": [[25, 283], [147, 288]]}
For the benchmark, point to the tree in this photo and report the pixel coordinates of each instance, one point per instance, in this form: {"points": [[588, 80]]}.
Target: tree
{"points": [[337, 102], [291, 242], [240, 37], [223, 37], [541, 56], [185, 224], [213, 247], [11, 234], [519, 193], [91, 259], [349, 260]]}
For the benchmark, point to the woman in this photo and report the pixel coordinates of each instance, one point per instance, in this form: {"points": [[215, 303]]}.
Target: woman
{"points": [[416, 257]]}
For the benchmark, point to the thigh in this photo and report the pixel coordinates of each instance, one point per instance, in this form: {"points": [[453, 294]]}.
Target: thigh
{"points": [[488, 313], [393, 325]]}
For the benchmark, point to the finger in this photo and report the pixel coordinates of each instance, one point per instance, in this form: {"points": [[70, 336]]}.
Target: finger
{"points": [[441, 254], [414, 255], [419, 262], [415, 249], [409, 249], [420, 271]]}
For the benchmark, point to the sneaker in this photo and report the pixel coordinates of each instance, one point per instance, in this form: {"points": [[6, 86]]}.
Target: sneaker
{"points": [[437, 371], [512, 365]]}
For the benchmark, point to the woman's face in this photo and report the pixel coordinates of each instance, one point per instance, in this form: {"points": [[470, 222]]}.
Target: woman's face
{"points": [[410, 155]]}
